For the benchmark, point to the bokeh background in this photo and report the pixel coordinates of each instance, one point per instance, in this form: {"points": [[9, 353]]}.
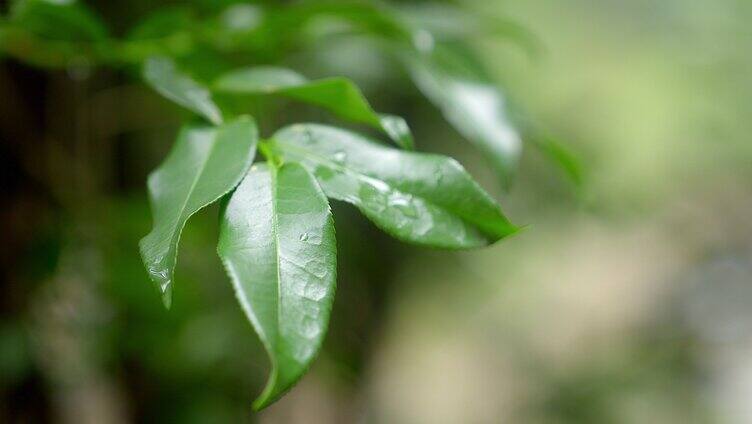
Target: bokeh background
{"points": [[625, 301]]}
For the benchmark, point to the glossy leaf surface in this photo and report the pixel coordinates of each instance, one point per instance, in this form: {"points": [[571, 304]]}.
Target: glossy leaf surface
{"points": [[277, 243], [205, 163], [162, 75], [339, 95], [419, 198], [475, 108]]}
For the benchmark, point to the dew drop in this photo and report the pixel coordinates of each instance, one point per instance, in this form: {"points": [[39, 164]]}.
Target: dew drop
{"points": [[303, 353], [314, 291], [423, 41], [339, 157], [438, 176], [317, 268], [164, 286], [310, 328], [374, 194], [404, 204]]}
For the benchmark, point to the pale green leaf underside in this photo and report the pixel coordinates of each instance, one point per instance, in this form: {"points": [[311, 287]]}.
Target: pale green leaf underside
{"points": [[278, 246], [419, 198], [162, 74], [476, 109], [339, 95], [205, 163]]}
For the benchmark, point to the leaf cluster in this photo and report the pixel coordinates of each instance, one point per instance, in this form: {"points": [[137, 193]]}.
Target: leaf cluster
{"points": [[277, 239]]}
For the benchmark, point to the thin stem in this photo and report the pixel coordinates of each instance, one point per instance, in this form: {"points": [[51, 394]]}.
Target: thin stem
{"points": [[268, 153]]}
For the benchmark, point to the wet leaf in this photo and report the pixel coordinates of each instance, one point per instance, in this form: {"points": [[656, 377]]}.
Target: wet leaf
{"points": [[205, 163], [339, 95], [278, 246], [162, 75], [419, 198]]}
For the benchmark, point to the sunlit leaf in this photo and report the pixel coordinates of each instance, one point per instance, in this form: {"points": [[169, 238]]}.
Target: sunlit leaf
{"points": [[278, 246], [419, 198], [339, 95], [162, 74], [205, 163]]}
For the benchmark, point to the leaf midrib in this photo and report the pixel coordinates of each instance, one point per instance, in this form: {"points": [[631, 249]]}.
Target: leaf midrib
{"points": [[196, 179], [275, 231]]}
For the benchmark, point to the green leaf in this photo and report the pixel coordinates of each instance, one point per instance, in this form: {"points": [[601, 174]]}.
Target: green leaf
{"points": [[278, 246], [162, 23], [474, 107], [339, 95], [419, 198], [205, 163], [362, 17], [259, 80], [444, 22], [557, 153], [269, 31], [16, 42], [162, 75], [58, 20]]}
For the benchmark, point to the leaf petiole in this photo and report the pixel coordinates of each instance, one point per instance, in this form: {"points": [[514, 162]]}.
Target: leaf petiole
{"points": [[267, 151]]}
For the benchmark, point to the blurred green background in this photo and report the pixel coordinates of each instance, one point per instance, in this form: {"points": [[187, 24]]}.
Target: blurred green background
{"points": [[625, 301]]}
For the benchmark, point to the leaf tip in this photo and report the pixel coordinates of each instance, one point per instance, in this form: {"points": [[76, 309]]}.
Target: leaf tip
{"points": [[398, 130], [516, 230], [167, 298], [163, 282], [160, 276], [259, 404], [270, 394]]}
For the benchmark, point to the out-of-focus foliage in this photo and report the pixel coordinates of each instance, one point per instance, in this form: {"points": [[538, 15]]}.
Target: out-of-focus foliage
{"points": [[417, 198], [160, 73], [455, 82], [340, 95], [627, 307]]}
